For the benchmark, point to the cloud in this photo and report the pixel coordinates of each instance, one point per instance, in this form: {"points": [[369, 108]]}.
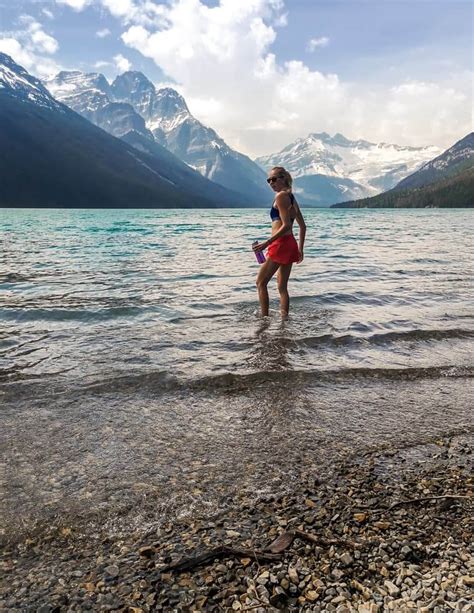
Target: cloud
{"points": [[77, 5], [31, 46], [12, 47], [222, 59], [102, 64], [226, 59], [47, 13], [103, 33], [145, 12], [125, 9], [314, 43], [122, 63], [428, 111], [40, 41]]}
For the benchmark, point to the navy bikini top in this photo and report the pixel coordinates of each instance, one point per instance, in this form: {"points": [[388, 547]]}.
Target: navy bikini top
{"points": [[275, 213]]}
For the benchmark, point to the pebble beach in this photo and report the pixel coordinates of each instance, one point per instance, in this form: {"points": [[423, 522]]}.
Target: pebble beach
{"points": [[389, 531]]}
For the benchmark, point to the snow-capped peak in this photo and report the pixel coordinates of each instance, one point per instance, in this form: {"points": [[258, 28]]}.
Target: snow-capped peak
{"points": [[163, 110], [373, 166], [172, 97], [130, 83], [15, 80], [69, 82], [85, 92], [169, 109], [461, 150]]}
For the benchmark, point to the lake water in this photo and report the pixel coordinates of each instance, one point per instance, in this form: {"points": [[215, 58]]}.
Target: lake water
{"points": [[137, 379]]}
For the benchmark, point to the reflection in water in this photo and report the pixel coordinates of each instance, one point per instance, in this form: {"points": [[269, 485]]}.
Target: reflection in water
{"points": [[270, 351]]}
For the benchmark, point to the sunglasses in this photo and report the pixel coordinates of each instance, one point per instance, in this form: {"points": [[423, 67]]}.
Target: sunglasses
{"points": [[271, 180]]}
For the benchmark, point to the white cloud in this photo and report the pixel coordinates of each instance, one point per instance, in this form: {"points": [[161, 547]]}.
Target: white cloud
{"points": [[47, 13], [103, 33], [77, 5], [31, 47], [281, 20], [146, 12], [427, 111], [42, 42], [314, 43], [120, 8], [12, 47], [102, 64], [122, 63], [221, 57]]}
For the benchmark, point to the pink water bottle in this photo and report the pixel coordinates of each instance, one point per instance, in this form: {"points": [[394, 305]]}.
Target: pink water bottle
{"points": [[258, 254]]}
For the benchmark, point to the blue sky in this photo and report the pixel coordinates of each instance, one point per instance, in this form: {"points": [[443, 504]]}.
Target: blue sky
{"points": [[415, 37], [393, 51]]}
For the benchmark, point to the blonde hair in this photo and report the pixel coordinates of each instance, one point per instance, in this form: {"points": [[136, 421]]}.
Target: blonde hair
{"points": [[284, 175]]}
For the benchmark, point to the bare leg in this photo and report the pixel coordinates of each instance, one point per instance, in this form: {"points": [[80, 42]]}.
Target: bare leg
{"points": [[266, 272], [283, 276]]}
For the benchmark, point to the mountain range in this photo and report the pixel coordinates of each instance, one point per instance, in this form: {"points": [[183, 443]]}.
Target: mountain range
{"points": [[132, 145], [444, 182], [329, 169], [132, 103], [53, 157]]}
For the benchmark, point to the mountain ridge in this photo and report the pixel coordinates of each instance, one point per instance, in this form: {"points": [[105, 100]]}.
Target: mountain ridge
{"points": [[448, 163], [356, 168], [447, 181], [167, 120], [53, 157]]}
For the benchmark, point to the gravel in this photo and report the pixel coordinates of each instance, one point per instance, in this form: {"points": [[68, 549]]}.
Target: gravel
{"points": [[353, 548]]}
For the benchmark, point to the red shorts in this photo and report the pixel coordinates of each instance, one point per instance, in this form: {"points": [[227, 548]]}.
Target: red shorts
{"points": [[284, 250]]}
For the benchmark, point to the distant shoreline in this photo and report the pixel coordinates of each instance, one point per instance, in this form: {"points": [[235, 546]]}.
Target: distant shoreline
{"points": [[219, 208]]}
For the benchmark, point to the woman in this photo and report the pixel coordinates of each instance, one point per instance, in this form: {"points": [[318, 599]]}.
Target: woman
{"points": [[283, 249]]}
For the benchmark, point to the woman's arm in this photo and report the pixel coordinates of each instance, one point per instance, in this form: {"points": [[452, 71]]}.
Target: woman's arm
{"points": [[302, 232]]}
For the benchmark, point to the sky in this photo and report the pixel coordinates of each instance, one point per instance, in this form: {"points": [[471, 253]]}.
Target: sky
{"points": [[263, 73]]}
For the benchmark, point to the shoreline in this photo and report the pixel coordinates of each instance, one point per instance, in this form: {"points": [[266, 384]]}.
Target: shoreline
{"points": [[388, 530]]}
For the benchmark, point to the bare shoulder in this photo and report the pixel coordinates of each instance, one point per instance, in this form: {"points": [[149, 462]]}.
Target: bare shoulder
{"points": [[283, 198]]}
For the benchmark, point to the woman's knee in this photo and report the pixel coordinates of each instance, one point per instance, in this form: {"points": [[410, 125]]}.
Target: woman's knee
{"points": [[283, 287], [261, 282]]}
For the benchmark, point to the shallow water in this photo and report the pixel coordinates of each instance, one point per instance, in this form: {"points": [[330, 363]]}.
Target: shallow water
{"points": [[137, 378]]}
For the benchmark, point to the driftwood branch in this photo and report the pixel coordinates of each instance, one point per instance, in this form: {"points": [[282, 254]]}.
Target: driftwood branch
{"points": [[271, 553], [282, 542], [218, 552], [286, 539], [401, 503], [317, 540]]}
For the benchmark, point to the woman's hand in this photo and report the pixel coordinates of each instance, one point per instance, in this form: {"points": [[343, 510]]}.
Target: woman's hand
{"points": [[261, 246], [301, 257]]}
